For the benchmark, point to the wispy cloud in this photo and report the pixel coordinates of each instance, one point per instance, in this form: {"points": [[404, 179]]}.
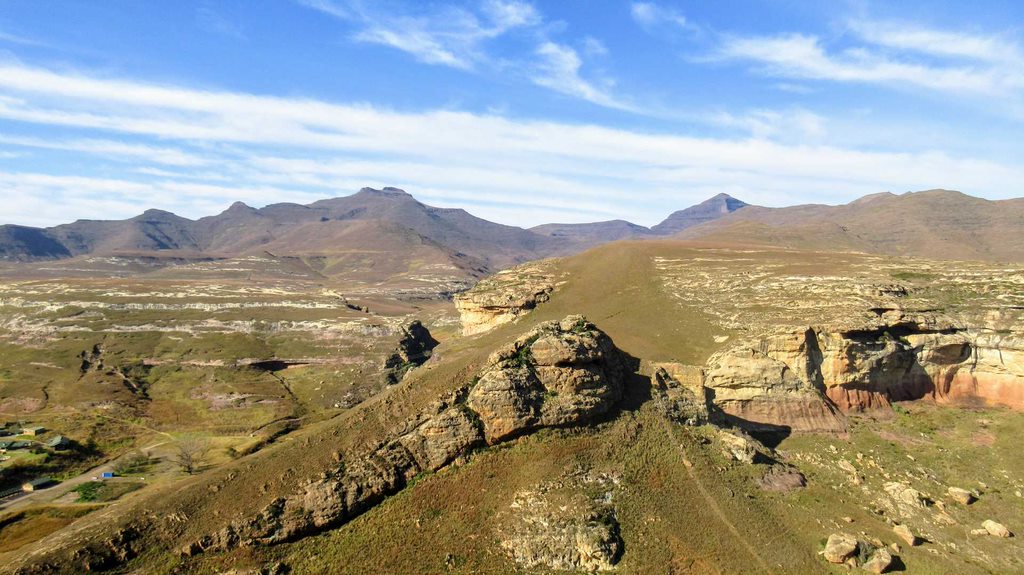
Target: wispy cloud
{"points": [[559, 70], [649, 14], [16, 39], [270, 149], [891, 55], [907, 36], [119, 151], [458, 38], [450, 36]]}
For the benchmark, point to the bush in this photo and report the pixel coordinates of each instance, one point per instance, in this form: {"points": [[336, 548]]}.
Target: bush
{"points": [[89, 491]]}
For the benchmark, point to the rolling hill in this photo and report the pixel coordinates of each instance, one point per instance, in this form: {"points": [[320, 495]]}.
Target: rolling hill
{"points": [[935, 223]]}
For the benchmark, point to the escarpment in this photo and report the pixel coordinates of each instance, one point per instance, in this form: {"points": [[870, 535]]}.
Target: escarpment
{"points": [[559, 374]]}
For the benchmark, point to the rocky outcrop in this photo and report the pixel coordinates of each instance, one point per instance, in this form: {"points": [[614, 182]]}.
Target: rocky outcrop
{"points": [[559, 374], [805, 380], [682, 403], [844, 549], [414, 349], [565, 525], [504, 297]]}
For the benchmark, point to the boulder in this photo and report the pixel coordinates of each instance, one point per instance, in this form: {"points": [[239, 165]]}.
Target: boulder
{"points": [[781, 478], [504, 297], [739, 446], [996, 529], [961, 496], [682, 404], [839, 548], [906, 496], [904, 533], [565, 525], [878, 562]]}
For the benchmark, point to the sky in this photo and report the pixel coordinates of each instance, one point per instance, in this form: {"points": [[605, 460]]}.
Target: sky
{"points": [[522, 112]]}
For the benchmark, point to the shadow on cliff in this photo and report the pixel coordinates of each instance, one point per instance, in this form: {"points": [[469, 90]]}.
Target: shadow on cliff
{"points": [[770, 435]]}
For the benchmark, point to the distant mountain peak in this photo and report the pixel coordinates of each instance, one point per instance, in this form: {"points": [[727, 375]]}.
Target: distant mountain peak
{"points": [[710, 209], [156, 214]]}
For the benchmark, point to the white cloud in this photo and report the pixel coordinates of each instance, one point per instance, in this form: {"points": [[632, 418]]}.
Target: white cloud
{"points": [[559, 70], [911, 37], [268, 149], [650, 15], [112, 149], [892, 56], [450, 36], [797, 125]]}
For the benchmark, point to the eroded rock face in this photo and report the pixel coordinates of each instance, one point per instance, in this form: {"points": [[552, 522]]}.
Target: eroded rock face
{"points": [[561, 373], [772, 384], [566, 525], [504, 297], [805, 380]]}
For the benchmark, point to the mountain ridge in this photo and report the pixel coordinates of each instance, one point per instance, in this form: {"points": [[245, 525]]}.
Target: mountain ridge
{"points": [[930, 223]]}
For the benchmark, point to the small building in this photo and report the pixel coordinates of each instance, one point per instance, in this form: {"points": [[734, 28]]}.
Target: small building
{"points": [[107, 475], [36, 430], [5, 432], [58, 442], [36, 484]]}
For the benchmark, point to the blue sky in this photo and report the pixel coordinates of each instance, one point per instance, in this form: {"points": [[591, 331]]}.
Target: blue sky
{"points": [[521, 112]]}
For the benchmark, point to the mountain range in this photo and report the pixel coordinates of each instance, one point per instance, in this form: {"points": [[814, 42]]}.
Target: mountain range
{"points": [[934, 223]]}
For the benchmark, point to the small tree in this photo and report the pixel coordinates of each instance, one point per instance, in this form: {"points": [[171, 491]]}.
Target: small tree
{"points": [[131, 463], [190, 453]]}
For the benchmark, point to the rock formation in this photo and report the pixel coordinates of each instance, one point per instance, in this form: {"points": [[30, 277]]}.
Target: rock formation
{"points": [[805, 380], [504, 297], [413, 350], [559, 374]]}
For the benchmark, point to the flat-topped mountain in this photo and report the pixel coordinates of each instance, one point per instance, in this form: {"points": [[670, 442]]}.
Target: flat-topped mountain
{"points": [[594, 233]]}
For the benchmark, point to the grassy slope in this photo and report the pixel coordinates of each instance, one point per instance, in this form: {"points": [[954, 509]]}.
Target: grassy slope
{"points": [[668, 514]]}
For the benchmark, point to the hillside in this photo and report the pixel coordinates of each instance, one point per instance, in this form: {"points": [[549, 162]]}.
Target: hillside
{"points": [[936, 223], [550, 442]]}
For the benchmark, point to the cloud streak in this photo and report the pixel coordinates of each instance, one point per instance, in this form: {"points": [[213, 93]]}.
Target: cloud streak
{"points": [[892, 55], [266, 149]]}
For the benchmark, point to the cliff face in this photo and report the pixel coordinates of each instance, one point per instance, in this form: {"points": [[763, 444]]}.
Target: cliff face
{"points": [[804, 379]]}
